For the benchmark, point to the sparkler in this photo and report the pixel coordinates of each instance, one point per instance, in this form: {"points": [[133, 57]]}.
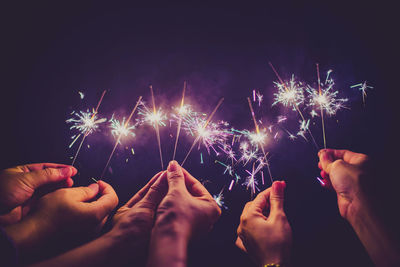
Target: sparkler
{"points": [[325, 99], [202, 131], [258, 137], [86, 124], [363, 88], [157, 126], [119, 130], [251, 181], [292, 96], [181, 111]]}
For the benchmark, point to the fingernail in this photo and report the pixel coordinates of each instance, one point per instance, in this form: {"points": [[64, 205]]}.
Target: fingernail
{"points": [[277, 188], [66, 172], [94, 187], [173, 166]]}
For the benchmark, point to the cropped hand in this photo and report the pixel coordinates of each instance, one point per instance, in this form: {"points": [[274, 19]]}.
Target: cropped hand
{"points": [[69, 214], [19, 184], [343, 170], [264, 231], [187, 205]]}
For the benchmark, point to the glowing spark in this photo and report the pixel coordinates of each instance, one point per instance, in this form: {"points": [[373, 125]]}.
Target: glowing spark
{"points": [[290, 93], [321, 181], [81, 95], [363, 88], [325, 98], [203, 132], [119, 130], [220, 199], [294, 95], [85, 125]]}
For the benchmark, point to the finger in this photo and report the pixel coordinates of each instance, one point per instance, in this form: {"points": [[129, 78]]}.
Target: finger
{"points": [[319, 165], [156, 193], [326, 158], [194, 186], [239, 244], [41, 166], [261, 202], [175, 178], [277, 197], [346, 155], [37, 178], [107, 201], [83, 193], [142, 192]]}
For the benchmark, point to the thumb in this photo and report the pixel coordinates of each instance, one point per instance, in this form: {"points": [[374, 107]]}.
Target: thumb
{"points": [[326, 158], [175, 178], [84, 193], [37, 178], [277, 196], [156, 193]]}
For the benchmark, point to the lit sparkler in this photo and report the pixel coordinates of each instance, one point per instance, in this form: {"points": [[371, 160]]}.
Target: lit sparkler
{"points": [[291, 97], [324, 98], [86, 123], [119, 130], [203, 132]]}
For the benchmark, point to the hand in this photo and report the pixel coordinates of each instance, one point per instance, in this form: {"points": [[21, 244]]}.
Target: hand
{"points": [[266, 238], [187, 205], [18, 185], [343, 169], [69, 214], [135, 219], [186, 210]]}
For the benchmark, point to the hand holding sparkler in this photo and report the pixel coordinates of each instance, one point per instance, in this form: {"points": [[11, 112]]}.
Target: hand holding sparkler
{"points": [[187, 209], [348, 172], [79, 210], [25, 180], [127, 241], [267, 239]]}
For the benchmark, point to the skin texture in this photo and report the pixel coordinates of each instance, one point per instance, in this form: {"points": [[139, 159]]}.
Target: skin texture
{"points": [[346, 172], [187, 210], [72, 215], [20, 186], [266, 238], [128, 240]]}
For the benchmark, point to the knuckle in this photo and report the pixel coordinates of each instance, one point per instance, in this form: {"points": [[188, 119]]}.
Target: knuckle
{"points": [[175, 176]]}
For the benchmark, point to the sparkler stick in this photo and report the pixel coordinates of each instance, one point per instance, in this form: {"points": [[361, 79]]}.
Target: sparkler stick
{"points": [[156, 127], [293, 102], [260, 142], [202, 128], [322, 111], [88, 131], [180, 119], [119, 136]]}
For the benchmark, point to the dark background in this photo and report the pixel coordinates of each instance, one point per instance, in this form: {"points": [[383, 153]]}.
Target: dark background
{"points": [[52, 50]]}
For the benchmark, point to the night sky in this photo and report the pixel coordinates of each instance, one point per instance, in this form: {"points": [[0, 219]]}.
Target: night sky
{"points": [[51, 51]]}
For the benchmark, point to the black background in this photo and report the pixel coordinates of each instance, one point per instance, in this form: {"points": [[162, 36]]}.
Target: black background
{"points": [[52, 50]]}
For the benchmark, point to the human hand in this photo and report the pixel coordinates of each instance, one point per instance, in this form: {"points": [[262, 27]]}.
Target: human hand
{"points": [[135, 219], [343, 170], [266, 238], [188, 205], [68, 214], [18, 185]]}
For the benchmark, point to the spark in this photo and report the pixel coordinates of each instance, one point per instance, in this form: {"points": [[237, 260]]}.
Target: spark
{"points": [[86, 123], [321, 181], [363, 88], [325, 98], [204, 133], [219, 199], [251, 182], [119, 130], [81, 95], [290, 93], [294, 96]]}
